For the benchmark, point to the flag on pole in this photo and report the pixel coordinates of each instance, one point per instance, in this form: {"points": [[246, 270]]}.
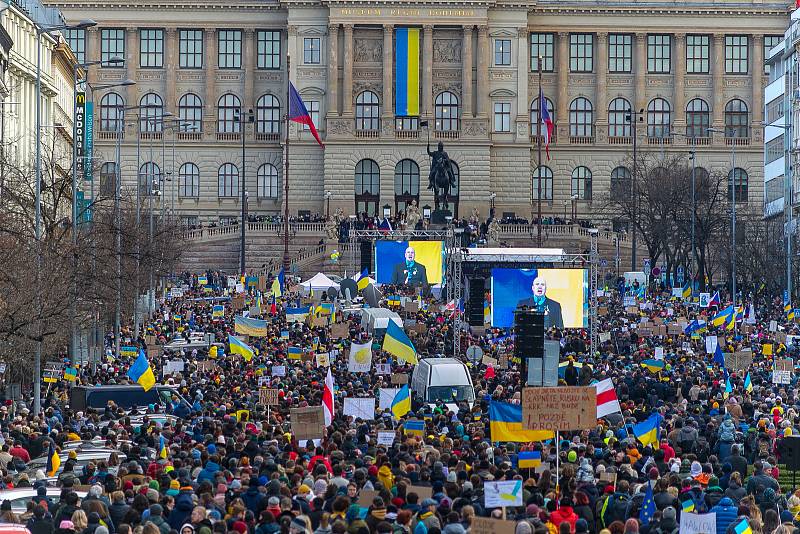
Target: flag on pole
{"points": [[53, 461], [299, 113], [396, 342], [401, 404], [607, 402], [547, 121], [141, 372], [162, 448], [237, 346], [277, 284], [327, 398], [647, 432], [714, 300], [748, 385]]}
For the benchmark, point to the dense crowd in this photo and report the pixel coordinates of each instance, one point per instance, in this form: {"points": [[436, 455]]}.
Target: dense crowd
{"points": [[721, 443]]}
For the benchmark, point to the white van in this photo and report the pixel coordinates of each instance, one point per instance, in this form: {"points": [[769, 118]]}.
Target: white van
{"points": [[442, 380]]}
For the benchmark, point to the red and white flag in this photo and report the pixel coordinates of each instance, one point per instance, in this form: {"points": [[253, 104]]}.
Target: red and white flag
{"points": [[327, 398], [607, 401]]}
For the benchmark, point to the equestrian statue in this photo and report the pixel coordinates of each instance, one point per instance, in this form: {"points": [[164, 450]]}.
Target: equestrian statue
{"points": [[441, 178]]}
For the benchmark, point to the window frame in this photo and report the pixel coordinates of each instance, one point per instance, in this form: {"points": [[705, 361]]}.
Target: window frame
{"points": [[151, 113], [107, 51], [191, 189], [312, 53], [190, 48], [264, 188], [444, 119], [191, 111], [734, 48], [698, 54], [229, 57], [659, 118], [503, 53], [151, 48], [659, 53], [228, 180], [694, 118], [229, 106], [368, 111], [109, 121], [581, 185], [262, 53], [76, 40], [268, 114], [545, 42], [622, 51], [581, 52], [502, 116], [582, 128], [547, 184], [618, 124]]}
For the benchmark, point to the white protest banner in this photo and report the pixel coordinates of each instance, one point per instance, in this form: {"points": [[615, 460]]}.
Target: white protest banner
{"points": [[386, 437], [360, 359], [323, 360], [704, 299], [385, 397], [687, 346], [383, 369], [773, 326], [360, 408], [711, 344], [502, 493], [782, 371], [659, 353], [605, 336], [278, 370], [698, 523], [174, 366]]}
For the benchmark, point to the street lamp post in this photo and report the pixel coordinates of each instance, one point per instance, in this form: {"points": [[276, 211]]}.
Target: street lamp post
{"points": [[328, 196], [243, 119], [693, 157], [634, 117], [37, 382], [732, 185]]}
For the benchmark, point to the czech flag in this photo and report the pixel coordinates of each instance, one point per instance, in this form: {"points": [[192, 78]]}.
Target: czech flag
{"points": [[715, 300], [544, 117], [299, 113]]}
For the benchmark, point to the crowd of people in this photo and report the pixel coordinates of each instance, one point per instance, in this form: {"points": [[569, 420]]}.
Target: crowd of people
{"points": [[229, 463]]}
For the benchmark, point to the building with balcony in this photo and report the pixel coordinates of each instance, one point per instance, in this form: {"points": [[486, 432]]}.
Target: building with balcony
{"points": [[688, 67]]}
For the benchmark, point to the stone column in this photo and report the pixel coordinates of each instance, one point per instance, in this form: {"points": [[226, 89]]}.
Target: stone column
{"points": [[640, 72], [171, 69], [347, 86], [427, 71], [679, 95], [601, 96], [758, 88], [388, 75], [333, 70], [562, 102], [132, 57], [718, 66], [523, 66], [466, 73], [93, 50], [249, 65], [483, 71], [210, 67]]}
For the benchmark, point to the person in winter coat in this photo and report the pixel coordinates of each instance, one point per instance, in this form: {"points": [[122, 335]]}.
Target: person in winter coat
{"points": [[183, 508], [726, 512], [426, 517], [583, 509], [41, 522], [267, 524], [253, 498], [668, 523], [156, 517], [453, 525], [119, 508], [385, 476], [209, 471], [735, 490], [564, 513], [727, 435], [376, 514]]}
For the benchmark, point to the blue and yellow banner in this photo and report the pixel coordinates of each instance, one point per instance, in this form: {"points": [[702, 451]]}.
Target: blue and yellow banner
{"points": [[407, 72], [250, 327]]}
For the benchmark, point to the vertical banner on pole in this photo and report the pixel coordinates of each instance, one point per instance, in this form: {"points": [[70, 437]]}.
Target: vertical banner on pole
{"points": [[89, 142], [80, 132]]}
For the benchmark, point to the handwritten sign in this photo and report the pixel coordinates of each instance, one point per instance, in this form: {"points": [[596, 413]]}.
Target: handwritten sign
{"points": [[782, 372], [698, 523], [559, 408], [398, 378], [307, 423], [386, 437], [485, 525], [278, 370], [268, 396], [739, 361], [502, 493], [360, 408]]}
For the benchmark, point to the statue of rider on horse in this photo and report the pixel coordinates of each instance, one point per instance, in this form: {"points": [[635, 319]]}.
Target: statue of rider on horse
{"points": [[441, 178]]}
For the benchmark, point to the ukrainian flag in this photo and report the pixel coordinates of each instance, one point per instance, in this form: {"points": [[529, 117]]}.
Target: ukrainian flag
{"points": [[743, 527], [648, 432], [162, 448], [141, 372], [295, 353], [406, 101], [396, 342], [363, 279], [237, 346], [218, 310], [722, 317], [414, 428], [748, 385], [529, 459], [487, 312], [728, 385], [250, 327], [401, 404], [791, 315], [129, 351], [278, 283], [71, 374], [53, 461], [787, 306], [202, 280], [505, 424], [393, 300], [687, 505], [654, 366], [687, 290]]}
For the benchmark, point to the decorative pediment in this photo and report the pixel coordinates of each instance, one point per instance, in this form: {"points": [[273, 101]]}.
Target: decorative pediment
{"points": [[502, 93], [312, 30], [311, 91]]}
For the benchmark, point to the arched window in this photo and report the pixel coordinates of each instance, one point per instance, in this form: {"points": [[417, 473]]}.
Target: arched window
{"points": [[267, 181], [658, 118], [268, 115], [406, 184], [582, 183], [619, 118], [620, 183], [228, 180], [368, 186], [546, 175], [581, 119], [736, 119], [368, 111], [446, 112], [108, 179], [535, 115], [737, 179], [111, 111], [228, 108], [151, 113], [189, 181], [149, 178], [190, 112], [698, 120]]}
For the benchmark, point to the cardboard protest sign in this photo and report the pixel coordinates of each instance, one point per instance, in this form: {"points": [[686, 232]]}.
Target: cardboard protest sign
{"points": [[307, 423], [739, 361], [398, 378], [486, 525], [559, 408], [268, 396], [782, 371]]}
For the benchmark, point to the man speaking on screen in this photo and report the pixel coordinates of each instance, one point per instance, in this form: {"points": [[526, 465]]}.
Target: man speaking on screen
{"points": [[540, 302], [410, 272]]}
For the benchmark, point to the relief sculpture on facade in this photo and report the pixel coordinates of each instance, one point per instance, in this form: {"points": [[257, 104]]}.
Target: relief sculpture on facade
{"points": [[368, 50], [447, 50]]}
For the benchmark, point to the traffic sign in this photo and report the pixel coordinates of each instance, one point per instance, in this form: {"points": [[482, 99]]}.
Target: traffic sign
{"points": [[474, 353]]}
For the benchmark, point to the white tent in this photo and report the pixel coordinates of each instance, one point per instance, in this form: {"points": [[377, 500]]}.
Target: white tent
{"points": [[319, 282]]}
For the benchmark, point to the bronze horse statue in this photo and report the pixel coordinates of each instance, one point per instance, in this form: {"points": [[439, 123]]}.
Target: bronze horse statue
{"points": [[441, 178]]}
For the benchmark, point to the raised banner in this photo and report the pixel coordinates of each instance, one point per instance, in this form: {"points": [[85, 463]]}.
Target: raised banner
{"points": [[559, 408], [407, 72]]}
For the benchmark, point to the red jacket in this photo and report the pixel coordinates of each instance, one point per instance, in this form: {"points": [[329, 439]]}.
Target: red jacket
{"points": [[564, 514]]}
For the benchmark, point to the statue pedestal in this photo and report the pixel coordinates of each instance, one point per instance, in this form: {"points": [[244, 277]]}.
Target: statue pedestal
{"points": [[440, 216]]}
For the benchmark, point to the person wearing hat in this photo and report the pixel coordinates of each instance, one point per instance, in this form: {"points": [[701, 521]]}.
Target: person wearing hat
{"points": [[156, 517], [41, 522], [426, 517]]}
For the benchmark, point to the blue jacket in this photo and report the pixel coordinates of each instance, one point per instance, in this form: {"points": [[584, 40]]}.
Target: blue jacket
{"points": [[252, 499], [182, 511], [726, 513], [207, 473]]}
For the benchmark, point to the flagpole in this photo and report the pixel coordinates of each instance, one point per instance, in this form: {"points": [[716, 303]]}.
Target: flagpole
{"points": [[286, 175], [539, 161]]}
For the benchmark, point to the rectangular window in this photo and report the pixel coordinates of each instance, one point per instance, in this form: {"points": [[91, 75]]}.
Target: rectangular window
{"points": [[620, 52], [190, 221], [502, 52], [659, 54], [542, 45], [191, 49], [774, 110], [581, 52], [112, 44], [76, 39], [770, 42], [773, 150], [311, 51], [269, 49], [151, 48], [229, 51], [774, 189], [313, 109], [736, 54], [697, 52], [502, 116]]}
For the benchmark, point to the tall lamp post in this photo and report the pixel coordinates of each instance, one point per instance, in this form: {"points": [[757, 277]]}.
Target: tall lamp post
{"points": [[634, 117], [732, 185], [693, 158], [42, 29], [243, 117]]}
